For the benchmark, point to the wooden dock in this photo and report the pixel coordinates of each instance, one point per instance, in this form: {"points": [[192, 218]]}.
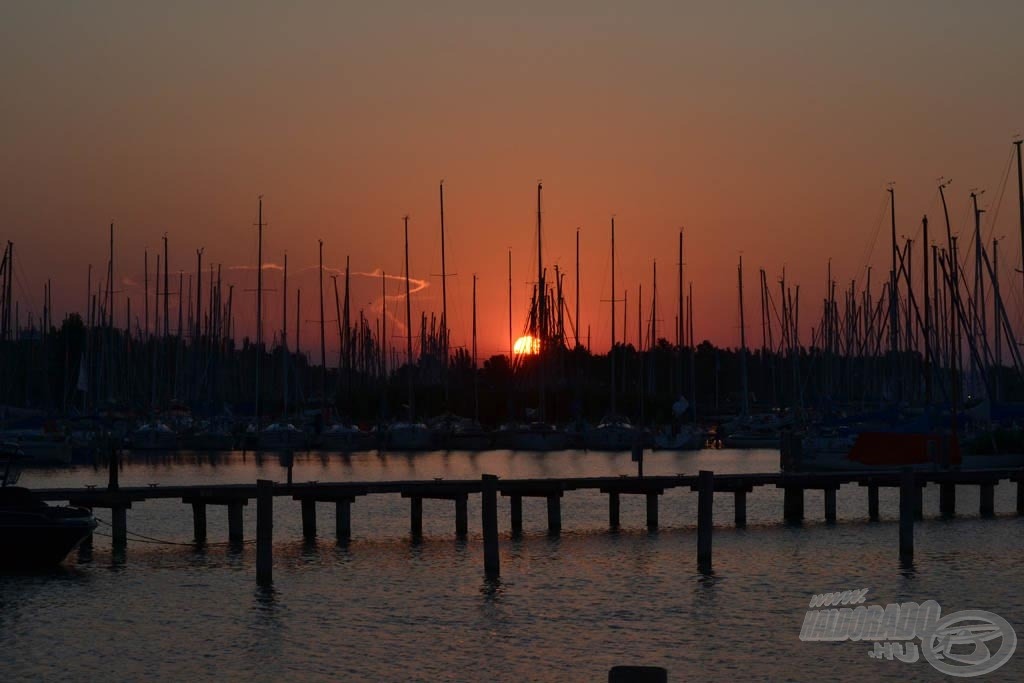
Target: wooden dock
{"points": [[344, 494]]}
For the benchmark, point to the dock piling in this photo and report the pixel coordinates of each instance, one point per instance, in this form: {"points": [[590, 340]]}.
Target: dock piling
{"points": [[741, 508], [235, 533], [462, 516], [652, 511], [830, 505], [873, 502], [613, 510], [264, 532], [309, 519], [1020, 494], [793, 504], [554, 512], [416, 517], [947, 499], [199, 522], [987, 506], [343, 519], [489, 522], [119, 521], [705, 518], [517, 514], [908, 493]]}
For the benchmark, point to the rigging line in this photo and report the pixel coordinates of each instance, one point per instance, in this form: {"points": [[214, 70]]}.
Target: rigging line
{"points": [[994, 217], [870, 250]]}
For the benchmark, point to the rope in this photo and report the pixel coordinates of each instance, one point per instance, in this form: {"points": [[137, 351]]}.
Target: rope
{"points": [[141, 538]]}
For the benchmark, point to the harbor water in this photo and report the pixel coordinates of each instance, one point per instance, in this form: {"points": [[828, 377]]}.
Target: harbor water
{"points": [[567, 607]]}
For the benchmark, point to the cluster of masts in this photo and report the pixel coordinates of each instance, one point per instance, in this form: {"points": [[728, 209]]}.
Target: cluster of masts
{"points": [[924, 332]]}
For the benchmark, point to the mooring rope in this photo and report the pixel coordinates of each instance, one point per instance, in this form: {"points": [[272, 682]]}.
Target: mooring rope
{"points": [[142, 538]]}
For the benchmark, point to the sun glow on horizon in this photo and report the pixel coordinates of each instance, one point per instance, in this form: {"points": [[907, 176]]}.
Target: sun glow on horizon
{"points": [[526, 346]]}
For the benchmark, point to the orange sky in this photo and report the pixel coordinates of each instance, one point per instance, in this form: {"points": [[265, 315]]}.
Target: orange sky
{"points": [[769, 129]]}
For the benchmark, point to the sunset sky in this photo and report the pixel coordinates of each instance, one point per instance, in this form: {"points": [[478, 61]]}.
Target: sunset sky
{"points": [[769, 129]]}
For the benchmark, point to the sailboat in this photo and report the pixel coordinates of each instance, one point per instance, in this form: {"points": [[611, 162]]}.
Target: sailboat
{"points": [[409, 435], [680, 436], [614, 432], [32, 533]]}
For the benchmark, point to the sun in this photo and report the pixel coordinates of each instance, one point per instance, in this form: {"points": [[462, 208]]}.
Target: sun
{"points": [[526, 346]]}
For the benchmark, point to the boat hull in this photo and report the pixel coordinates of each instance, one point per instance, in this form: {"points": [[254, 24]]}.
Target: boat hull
{"points": [[35, 544]]}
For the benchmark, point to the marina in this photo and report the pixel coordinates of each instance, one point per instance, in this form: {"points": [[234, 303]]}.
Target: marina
{"points": [[638, 343]]}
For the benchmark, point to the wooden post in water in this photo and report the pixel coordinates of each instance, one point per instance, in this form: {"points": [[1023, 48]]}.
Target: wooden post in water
{"points": [[554, 513], [489, 520], [235, 533], [613, 510], [462, 515], [416, 517], [741, 508], [652, 510], [264, 532], [309, 519], [830, 505], [873, 502], [199, 522], [987, 503], [705, 517], [517, 514], [947, 499], [793, 504], [119, 521], [908, 492], [343, 519]]}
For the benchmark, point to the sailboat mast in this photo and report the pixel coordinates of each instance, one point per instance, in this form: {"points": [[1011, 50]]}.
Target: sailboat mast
{"points": [[323, 337], [197, 332], [145, 287], [511, 347], [408, 323], [927, 316], [611, 351], [284, 335], [577, 288], [1020, 202], [744, 405], [476, 383], [167, 300], [693, 353], [541, 292], [654, 308], [444, 301], [259, 305], [384, 346]]}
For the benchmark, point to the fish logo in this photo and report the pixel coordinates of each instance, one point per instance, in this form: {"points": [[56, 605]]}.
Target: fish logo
{"points": [[960, 643]]}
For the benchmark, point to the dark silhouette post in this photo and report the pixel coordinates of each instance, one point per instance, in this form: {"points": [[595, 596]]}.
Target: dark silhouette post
{"points": [[705, 515], [947, 499], [264, 532], [489, 520], [987, 500], [873, 502], [908, 492]]}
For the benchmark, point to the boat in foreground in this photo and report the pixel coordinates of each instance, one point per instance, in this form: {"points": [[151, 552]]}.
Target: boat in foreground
{"points": [[32, 533]]}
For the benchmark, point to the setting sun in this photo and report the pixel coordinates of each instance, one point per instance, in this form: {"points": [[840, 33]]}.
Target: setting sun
{"points": [[526, 346]]}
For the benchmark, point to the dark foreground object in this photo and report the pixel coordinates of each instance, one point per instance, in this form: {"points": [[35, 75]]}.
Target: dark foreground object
{"points": [[34, 534], [638, 674]]}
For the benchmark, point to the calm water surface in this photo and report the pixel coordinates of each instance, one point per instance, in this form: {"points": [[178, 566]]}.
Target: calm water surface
{"points": [[567, 608]]}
